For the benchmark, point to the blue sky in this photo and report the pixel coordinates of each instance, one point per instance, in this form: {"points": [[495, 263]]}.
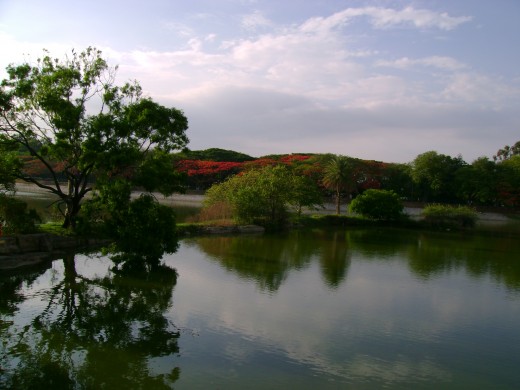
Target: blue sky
{"points": [[383, 80]]}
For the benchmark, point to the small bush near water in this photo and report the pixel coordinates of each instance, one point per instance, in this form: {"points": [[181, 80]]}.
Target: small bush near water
{"points": [[378, 204], [446, 216]]}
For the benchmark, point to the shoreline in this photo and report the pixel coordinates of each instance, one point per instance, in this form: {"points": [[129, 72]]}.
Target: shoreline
{"points": [[488, 215]]}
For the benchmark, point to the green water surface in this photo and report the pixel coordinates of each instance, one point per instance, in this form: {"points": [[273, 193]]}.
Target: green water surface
{"points": [[317, 309]]}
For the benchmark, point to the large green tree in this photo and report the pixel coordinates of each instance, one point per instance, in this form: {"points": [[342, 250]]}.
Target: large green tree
{"points": [[263, 195], [72, 118], [477, 183], [434, 175]]}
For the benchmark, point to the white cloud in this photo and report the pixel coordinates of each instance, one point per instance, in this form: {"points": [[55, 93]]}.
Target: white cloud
{"points": [[319, 86], [420, 18], [386, 18], [439, 62], [255, 21], [481, 90]]}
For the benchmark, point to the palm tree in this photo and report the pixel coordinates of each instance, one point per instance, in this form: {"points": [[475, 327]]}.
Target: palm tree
{"points": [[337, 176]]}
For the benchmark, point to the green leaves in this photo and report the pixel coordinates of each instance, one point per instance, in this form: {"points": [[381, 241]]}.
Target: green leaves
{"points": [[378, 204], [262, 195], [88, 126]]}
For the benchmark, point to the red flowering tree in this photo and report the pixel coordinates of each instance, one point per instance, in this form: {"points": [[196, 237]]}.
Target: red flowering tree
{"points": [[203, 174]]}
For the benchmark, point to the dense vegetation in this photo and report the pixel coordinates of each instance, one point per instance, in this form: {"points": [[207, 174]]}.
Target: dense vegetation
{"points": [[262, 195], [431, 177], [66, 127], [71, 119]]}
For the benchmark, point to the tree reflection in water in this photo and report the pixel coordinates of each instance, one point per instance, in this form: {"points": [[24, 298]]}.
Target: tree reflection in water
{"points": [[92, 332], [269, 259]]}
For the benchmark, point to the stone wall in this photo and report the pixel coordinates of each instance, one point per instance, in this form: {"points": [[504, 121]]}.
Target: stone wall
{"points": [[28, 249]]}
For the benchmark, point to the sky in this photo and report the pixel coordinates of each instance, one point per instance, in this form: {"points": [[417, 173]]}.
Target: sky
{"points": [[373, 79]]}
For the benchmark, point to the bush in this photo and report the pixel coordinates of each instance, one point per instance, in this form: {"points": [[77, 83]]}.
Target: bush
{"points": [[261, 196], [144, 232], [449, 216], [378, 204], [15, 218]]}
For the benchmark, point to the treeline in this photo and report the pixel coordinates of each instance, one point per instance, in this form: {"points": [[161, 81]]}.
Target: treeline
{"points": [[430, 177]]}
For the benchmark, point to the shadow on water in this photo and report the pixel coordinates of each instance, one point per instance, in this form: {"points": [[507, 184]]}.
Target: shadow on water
{"points": [[89, 328]]}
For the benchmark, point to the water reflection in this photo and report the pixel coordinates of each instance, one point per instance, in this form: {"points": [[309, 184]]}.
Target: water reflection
{"points": [[352, 308], [326, 309], [86, 328], [269, 260]]}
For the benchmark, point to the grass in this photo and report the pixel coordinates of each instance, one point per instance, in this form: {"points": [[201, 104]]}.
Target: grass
{"points": [[55, 228], [446, 216]]}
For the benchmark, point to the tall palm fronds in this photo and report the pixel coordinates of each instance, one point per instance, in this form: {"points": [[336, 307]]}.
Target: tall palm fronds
{"points": [[337, 176]]}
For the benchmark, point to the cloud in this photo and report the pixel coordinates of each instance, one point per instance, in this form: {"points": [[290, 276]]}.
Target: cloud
{"points": [[254, 21], [439, 62], [482, 90], [318, 86], [264, 121], [384, 18]]}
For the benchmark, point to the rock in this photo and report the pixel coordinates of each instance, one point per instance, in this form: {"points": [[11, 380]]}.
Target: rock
{"points": [[250, 229], [29, 242], [9, 245]]}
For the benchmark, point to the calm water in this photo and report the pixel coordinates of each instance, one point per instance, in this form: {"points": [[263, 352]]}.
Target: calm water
{"points": [[360, 309]]}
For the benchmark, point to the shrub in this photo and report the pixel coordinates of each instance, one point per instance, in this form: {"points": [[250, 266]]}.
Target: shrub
{"points": [[143, 233], [261, 196], [15, 218], [378, 204], [446, 215]]}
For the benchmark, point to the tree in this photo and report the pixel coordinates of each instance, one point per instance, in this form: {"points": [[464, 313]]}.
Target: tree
{"points": [[507, 152], [508, 187], [261, 195], [477, 183], [435, 174], [96, 330], [305, 193], [9, 165], [378, 204], [85, 125], [337, 177]]}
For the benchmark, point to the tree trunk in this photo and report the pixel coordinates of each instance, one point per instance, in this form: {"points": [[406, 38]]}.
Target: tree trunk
{"points": [[71, 212], [338, 201]]}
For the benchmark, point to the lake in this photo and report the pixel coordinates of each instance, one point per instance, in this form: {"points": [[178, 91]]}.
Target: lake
{"points": [[327, 309]]}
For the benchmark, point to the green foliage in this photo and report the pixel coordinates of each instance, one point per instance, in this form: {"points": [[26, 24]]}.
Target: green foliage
{"points": [[145, 233], [9, 165], [477, 183], [15, 218], [263, 195], [337, 176], [507, 152], [434, 175], [214, 154], [156, 173], [448, 216], [305, 194], [71, 118], [142, 229], [378, 204]]}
